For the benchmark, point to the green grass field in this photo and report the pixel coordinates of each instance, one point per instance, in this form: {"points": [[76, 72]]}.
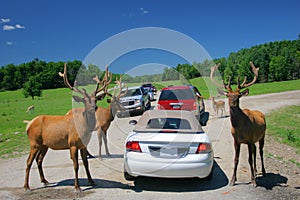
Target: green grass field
{"points": [[13, 106], [284, 125]]}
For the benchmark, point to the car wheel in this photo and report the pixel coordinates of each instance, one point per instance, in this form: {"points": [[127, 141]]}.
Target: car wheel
{"points": [[128, 177], [204, 118]]}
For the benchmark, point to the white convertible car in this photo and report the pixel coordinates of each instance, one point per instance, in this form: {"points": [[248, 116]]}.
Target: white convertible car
{"points": [[168, 144]]}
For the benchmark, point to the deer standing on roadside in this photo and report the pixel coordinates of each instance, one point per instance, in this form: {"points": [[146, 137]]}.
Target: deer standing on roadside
{"points": [[71, 132], [218, 105], [104, 116], [247, 126]]}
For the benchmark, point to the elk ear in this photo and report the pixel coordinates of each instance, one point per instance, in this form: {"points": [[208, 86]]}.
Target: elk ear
{"points": [[245, 92], [78, 99]]}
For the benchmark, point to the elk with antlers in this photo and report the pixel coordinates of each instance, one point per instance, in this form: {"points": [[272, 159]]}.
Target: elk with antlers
{"points": [[218, 105], [104, 116], [71, 132], [247, 126]]}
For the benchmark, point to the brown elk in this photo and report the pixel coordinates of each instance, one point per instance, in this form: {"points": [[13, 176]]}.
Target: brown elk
{"points": [[71, 132], [105, 116], [247, 126], [218, 105]]}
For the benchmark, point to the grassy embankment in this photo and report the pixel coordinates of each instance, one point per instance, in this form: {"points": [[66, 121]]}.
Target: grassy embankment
{"points": [[13, 105]]}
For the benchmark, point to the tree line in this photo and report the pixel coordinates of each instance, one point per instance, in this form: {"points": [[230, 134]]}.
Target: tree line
{"points": [[278, 61]]}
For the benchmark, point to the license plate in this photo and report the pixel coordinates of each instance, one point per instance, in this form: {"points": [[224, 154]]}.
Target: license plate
{"points": [[168, 152], [176, 107]]}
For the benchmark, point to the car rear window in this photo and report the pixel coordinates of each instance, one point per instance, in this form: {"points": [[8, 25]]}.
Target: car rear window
{"points": [[176, 95], [168, 123], [147, 85], [133, 92]]}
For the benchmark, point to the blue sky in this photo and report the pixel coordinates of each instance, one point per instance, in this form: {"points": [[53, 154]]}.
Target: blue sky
{"points": [[66, 30]]}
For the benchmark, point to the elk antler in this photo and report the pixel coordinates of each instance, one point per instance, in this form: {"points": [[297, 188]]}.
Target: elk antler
{"points": [[104, 83], [212, 71], [121, 86], [65, 78], [244, 85]]}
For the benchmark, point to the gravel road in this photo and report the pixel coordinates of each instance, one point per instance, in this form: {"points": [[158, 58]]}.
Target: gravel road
{"points": [[281, 181]]}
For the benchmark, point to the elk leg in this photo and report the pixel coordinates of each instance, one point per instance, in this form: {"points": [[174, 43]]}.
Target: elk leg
{"points": [[254, 159], [74, 157], [261, 153], [100, 143], [39, 161], [250, 161], [31, 156], [104, 135], [237, 148], [83, 153]]}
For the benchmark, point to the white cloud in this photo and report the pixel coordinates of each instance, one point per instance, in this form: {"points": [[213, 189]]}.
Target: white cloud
{"points": [[9, 43], [8, 27], [19, 26], [143, 11], [5, 20]]}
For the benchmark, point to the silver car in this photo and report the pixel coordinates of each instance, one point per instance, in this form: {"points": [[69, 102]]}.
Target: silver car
{"points": [[168, 144], [136, 100]]}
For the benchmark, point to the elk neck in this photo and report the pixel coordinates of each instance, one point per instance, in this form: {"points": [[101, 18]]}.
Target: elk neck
{"points": [[236, 116], [90, 119], [112, 112]]}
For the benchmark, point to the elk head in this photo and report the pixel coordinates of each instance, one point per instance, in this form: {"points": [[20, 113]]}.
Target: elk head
{"points": [[234, 95], [115, 101]]}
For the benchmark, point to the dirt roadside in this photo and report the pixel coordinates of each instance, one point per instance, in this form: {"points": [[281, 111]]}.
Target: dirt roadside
{"points": [[281, 182]]}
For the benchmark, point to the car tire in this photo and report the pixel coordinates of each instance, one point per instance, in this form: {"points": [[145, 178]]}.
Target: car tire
{"points": [[128, 177], [204, 118]]}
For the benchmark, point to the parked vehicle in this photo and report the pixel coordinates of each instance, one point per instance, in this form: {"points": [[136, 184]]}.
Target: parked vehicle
{"points": [[150, 85], [136, 100], [185, 97], [150, 93], [169, 144]]}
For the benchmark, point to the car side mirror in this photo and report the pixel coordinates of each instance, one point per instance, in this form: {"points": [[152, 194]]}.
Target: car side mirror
{"points": [[133, 122]]}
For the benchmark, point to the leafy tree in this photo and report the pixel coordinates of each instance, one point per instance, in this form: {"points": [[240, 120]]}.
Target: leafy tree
{"points": [[278, 71], [32, 88]]}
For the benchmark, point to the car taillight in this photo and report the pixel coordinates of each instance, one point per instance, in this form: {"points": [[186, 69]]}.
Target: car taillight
{"points": [[133, 146], [203, 148]]}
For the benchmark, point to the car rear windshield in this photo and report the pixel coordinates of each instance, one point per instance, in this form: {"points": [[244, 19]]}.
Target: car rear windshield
{"points": [[176, 95], [147, 85], [168, 123], [133, 92]]}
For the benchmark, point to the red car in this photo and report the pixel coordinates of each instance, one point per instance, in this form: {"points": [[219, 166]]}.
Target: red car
{"points": [[185, 97]]}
